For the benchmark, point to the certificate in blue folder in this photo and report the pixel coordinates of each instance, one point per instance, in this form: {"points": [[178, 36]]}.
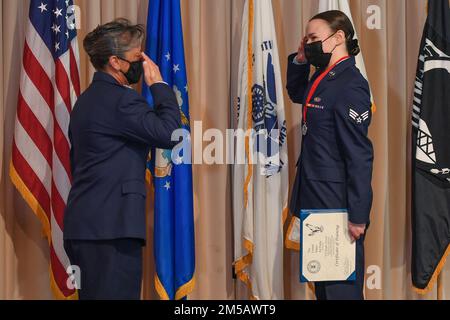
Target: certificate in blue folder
{"points": [[327, 252]]}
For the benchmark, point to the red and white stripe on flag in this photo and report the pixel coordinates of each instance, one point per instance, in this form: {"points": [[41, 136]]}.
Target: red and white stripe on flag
{"points": [[40, 165]]}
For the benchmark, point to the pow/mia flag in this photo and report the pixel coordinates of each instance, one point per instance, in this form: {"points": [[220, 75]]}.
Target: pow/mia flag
{"points": [[431, 150]]}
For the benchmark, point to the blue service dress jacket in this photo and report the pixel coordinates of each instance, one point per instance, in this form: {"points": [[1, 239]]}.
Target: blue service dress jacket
{"points": [[111, 131], [334, 170]]}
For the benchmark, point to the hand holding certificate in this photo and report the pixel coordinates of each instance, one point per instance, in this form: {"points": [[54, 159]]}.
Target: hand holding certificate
{"points": [[327, 251]]}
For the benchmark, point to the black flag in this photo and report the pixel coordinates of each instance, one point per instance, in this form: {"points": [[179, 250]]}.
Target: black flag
{"points": [[431, 150]]}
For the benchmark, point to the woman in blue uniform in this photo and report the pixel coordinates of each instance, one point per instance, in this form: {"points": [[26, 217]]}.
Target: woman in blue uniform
{"points": [[335, 166], [112, 128]]}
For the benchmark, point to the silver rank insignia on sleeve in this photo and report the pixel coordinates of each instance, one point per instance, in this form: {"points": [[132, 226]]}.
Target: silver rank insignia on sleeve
{"points": [[359, 118]]}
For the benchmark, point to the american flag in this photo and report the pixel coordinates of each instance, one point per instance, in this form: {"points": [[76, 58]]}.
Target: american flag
{"points": [[49, 87]]}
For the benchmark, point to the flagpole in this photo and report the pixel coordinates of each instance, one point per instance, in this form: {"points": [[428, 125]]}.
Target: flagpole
{"points": [[440, 288]]}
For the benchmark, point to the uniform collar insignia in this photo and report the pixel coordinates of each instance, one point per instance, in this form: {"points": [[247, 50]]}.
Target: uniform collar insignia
{"points": [[340, 68]]}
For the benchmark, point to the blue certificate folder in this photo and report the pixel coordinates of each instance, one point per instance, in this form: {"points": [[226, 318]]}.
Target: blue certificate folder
{"points": [[305, 214]]}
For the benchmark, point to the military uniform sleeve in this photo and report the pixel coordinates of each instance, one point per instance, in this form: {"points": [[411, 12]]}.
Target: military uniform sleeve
{"points": [[71, 154], [297, 79], [138, 122], [353, 117]]}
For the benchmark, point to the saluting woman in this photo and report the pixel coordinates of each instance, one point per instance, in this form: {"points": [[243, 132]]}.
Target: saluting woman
{"points": [[112, 128], [334, 169]]}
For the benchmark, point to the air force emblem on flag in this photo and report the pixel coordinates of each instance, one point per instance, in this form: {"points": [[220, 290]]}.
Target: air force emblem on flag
{"points": [[359, 118]]}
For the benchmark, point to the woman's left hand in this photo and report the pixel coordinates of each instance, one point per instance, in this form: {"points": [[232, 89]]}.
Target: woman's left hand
{"points": [[356, 230]]}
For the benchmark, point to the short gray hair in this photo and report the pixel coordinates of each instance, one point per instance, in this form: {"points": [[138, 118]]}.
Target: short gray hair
{"points": [[112, 39]]}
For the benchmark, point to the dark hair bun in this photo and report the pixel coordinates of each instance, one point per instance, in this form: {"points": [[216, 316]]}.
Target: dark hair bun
{"points": [[338, 20], [353, 47]]}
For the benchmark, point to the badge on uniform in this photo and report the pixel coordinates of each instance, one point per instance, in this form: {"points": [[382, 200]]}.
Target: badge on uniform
{"points": [[304, 129], [358, 118]]}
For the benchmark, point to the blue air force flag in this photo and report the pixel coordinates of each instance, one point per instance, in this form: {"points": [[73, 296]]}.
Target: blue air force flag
{"points": [[172, 177]]}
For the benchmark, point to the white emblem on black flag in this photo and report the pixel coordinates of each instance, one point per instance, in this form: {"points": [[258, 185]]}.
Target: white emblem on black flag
{"points": [[431, 151]]}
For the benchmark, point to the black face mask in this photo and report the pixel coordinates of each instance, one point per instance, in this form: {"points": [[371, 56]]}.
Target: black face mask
{"points": [[315, 55], [135, 71]]}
